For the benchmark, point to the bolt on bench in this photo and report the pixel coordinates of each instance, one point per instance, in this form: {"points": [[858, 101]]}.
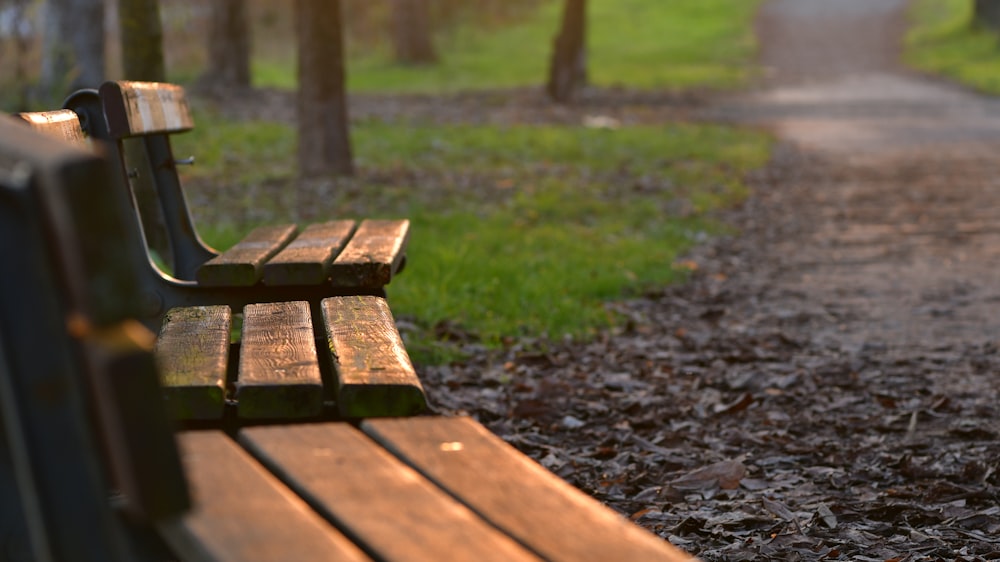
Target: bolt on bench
{"points": [[304, 350], [419, 488]]}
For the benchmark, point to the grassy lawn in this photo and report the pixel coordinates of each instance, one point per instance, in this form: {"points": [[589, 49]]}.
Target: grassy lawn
{"points": [[638, 43], [943, 41], [518, 230]]}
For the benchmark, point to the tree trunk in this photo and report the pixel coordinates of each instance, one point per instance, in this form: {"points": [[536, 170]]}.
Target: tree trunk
{"points": [[228, 46], [324, 139], [142, 40], [411, 32], [987, 13], [72, 47], [21, 27], [142, 59], [568, 69]]}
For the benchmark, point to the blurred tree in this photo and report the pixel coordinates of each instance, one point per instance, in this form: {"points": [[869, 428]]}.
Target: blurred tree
{"points": [[72, 47], [228, 45], [142, 59], [324, 138], [411, 32], [142, 40], [568, 68], [987, 12], [20, 27]]}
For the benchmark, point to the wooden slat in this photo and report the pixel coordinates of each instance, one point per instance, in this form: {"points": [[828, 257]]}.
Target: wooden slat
{"points": [[63, 124], [243, 513], [374, 374], [192, 354], [242, 265], [373, 255], [514, 493], [279, 372], [142, 108], [306, 261], [374, 498]]}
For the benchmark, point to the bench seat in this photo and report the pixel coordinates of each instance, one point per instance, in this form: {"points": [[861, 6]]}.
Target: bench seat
{"points": [[280, 368], [414, 489], [365, 256]]}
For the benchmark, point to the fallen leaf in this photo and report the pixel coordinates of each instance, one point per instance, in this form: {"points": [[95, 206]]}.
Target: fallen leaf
{"points": [[724, 474], [782, 511], [738, 405], [826, 516]]}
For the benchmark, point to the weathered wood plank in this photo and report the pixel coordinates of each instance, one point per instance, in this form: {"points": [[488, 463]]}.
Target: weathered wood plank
{"points": [[63, 124], [192, 353], [514, 493], [139, 108], [279, 374], [373, 255], [374, 374], [306, 261], [244, 513], [374, 498], [242, 265]]}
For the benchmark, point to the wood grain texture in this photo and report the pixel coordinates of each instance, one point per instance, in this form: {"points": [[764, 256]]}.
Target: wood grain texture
{"points": [[374, 498], [514, 493], [63, 124], [143, 108], [279, 374], [243, 513], [374, 374], [242, 265], [373, 255], [192, 353], [306, 261]]}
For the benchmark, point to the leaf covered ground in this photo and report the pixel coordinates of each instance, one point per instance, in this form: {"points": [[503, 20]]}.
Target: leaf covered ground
{"points": [[743, 418]]}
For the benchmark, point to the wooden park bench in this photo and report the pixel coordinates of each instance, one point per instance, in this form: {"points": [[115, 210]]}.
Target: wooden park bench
{"points": [[301, 353], [274, 263], [89, 471]]}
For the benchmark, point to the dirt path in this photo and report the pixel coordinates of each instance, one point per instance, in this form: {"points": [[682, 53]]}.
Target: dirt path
{"points": [[826, 387], [901, 231]]}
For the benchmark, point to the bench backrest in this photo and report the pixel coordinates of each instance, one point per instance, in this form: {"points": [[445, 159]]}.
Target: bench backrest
{"points": [[145, 108], [79, 400]]}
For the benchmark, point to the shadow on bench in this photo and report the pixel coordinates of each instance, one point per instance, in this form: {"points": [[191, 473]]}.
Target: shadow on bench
{"points": [[426, 488]]}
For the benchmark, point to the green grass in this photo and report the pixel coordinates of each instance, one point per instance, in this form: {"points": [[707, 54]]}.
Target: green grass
{"points": [[517, 230], [636, 43], [942, 40]]}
